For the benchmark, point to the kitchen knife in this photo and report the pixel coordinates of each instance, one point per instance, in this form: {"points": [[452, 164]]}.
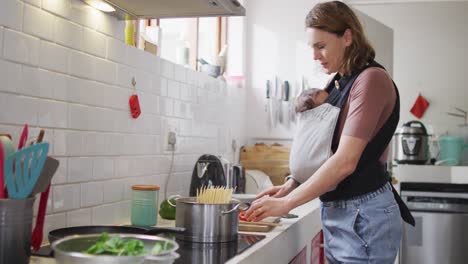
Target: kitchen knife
{"points": [[280, 104], [286, 104], [268, 105]]}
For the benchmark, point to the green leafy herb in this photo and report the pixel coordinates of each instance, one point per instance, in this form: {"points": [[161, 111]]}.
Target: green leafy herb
{"points": [[116, 246], [158, 248]]}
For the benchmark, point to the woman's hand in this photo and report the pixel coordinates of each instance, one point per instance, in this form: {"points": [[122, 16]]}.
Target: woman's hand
{"points": [[279, 191], [267, 206]]}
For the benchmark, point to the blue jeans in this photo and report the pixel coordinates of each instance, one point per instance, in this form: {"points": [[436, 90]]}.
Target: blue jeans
{"points": [[365, 229]]}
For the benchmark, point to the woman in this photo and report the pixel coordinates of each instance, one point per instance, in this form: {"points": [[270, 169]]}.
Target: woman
{"points": [[360, 209]]}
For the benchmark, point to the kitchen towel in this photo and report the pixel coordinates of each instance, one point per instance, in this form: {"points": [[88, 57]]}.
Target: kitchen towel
{"points": [[419, 106]]}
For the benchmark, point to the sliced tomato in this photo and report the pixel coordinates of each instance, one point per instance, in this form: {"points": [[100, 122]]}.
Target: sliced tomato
{"points": [[242, 216]]}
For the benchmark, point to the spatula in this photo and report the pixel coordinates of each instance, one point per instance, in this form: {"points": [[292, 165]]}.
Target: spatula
{"points": [[50, 167], [28, 162]]}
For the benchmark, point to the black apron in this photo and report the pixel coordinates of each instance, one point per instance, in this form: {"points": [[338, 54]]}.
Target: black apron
{"points": [[370, 174]]}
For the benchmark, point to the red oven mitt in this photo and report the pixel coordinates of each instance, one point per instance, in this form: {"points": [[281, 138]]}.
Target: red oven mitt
{"points": [[419, 106], [134, 106]]}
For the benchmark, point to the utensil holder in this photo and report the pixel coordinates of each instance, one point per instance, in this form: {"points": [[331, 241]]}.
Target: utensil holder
{"points": [[15, 230]]}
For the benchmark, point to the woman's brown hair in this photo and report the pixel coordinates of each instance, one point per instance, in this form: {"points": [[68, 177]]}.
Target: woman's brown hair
{"points": [[335, 17]]}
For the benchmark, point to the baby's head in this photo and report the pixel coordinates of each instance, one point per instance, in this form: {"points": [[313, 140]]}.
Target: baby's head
{"points": [[310, 99]]}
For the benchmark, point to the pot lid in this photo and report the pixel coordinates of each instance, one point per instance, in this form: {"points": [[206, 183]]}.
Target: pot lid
{"points": [[412, 128]]}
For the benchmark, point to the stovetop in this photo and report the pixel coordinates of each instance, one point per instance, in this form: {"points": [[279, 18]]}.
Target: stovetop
{"points": [[203, 253]]}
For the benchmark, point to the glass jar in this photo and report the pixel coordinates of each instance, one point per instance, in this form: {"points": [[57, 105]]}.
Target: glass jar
{"points": [[144, 205]]}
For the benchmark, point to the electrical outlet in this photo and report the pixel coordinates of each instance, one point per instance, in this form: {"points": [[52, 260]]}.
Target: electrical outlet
{"points": [[171, 140]]}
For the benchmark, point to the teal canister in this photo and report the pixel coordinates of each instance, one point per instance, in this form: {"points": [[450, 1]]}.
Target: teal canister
{"points": [[451, 150], [144, 205]]}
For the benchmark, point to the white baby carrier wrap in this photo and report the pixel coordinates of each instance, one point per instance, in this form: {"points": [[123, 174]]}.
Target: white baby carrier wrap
{"points": [[312, 141]]}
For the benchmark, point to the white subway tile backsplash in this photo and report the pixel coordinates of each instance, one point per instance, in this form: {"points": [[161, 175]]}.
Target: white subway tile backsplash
{"points": [[53, 57], [60, 176], [173, 89], [180, 73], [192, 77], [167, 69], [31, 84], [18, 109], [156, 84], [143, 81], [52, 114], [121, 167], [92, 193], [20, 47], [116, 50], [65, 67], [11, 76], [108, 25], [163, 87], [148, 102], [155, 126], [81, 117], [125, 75], [66, 197], [94, 42], [185, 92], [61, 8], [166, 106], [104, 119], [124, 212], [74, 144], [52, 222], [104, 71], [60, 143], [55, 80], [80, 217], [96, 143], [119, 30], [68, 33], [11, 14], [38, 22], [42, 83], [81, 65], [113, 191], [179, 109], [80, 169], [106, 214], [103, 168], [133, 55]]}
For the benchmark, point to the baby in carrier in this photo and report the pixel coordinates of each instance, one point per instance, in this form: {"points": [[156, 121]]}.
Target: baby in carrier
{"points": [[310, 99], [311, 145]]}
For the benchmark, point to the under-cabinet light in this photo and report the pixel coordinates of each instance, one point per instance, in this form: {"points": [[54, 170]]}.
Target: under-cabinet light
{"points": [[100, 5]]}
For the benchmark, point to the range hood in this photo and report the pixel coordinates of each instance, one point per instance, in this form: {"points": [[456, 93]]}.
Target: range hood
{"points": [[132, 9]]}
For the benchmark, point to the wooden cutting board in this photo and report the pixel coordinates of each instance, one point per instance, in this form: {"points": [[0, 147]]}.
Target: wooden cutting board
{"points": [[273, 160], [258, 227]]}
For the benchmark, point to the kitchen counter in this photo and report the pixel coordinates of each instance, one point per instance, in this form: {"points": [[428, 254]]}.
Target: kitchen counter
{"points": [[430, 173], [284, 242], [279, 246]]}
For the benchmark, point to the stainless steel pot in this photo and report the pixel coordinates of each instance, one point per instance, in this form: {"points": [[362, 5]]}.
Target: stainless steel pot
{"points": [[69, 250], [411, 144], [208, 223]]}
